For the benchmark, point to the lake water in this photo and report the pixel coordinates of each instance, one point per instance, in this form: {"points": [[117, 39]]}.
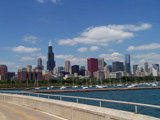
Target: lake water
{"points": [[139, 96]]}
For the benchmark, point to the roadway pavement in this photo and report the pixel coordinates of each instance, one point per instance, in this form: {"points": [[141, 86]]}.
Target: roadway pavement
{"points": [[10, 111]]}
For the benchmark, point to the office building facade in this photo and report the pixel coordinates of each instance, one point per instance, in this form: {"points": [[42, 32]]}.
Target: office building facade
{"points": [[92, 64], [67, 66], [127, 63], [117, 66]]}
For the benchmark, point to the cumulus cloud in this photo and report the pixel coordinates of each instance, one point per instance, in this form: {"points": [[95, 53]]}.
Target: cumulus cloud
{"points": [[102, 35], [30, 39], [83, 49], [94, 48], [22, 49], [66, 57], [27, 58], [144, 47], [149, 57], [115, 56], [73, 59], [110, 50], [43, 1], [39, 55], [7, 63], [131, 27]]}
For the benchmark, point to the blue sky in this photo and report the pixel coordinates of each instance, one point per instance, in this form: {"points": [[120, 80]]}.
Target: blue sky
{"points": [[78, 29]]}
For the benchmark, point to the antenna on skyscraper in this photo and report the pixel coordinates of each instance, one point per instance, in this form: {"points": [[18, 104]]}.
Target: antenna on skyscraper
{"points": [[50, 43]]}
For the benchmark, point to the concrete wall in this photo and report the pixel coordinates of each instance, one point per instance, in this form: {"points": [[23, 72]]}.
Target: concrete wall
{"points": [[72, 111]]}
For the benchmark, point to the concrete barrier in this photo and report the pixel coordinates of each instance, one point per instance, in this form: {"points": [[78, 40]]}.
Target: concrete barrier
{"points": [[72, 111]]}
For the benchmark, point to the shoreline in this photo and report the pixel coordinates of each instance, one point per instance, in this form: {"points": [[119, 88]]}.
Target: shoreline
{"points": [[89, 90]]}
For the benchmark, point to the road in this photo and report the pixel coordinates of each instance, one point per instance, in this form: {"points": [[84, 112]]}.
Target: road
{"points": [[10, 111]]}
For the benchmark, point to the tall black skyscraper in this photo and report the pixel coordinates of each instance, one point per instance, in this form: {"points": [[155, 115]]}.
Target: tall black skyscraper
{"points": [[127, 63], [50, 62]]}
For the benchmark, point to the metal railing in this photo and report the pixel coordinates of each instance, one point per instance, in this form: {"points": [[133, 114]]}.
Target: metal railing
{"points": [[48, 96]]}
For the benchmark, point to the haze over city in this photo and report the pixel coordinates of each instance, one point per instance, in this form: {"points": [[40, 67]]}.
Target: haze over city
{"points": [[78, 30]]}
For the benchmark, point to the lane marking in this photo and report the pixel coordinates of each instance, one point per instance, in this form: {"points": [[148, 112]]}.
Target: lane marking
{"points": [[52, 115], [17, 111]]}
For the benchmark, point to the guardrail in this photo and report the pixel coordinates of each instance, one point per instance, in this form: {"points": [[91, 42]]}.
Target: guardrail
{"points": [[84, 98]]}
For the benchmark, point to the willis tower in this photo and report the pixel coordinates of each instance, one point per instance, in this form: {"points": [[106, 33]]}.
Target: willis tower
{"points": [[50, 62]]}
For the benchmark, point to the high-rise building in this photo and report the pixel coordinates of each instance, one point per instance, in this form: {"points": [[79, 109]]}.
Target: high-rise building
{"points": [[4, 71], [135, 67], [82, 71], [127, 63], [146, 70], [101, 64], [155, 70], [117, 66], [60, 68], [39, 64], [29, 73], [92, 65], [75, 69], [67, 66], [109, 68], [50, 62], [157, 66]]}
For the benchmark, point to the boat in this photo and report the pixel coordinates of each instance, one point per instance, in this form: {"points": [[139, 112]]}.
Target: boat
{"points": [[75, 86], [36, 84], [104, 86], [62, 88], [27, 86], [52, 87], [155, 84], [99, 86], [133, 85], [85, 87]]}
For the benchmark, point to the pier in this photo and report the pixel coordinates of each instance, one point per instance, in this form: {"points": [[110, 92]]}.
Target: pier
{"points": [[90, 90]]}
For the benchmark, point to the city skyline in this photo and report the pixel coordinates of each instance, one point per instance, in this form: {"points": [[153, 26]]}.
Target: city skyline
{"points": [[79, 30]]}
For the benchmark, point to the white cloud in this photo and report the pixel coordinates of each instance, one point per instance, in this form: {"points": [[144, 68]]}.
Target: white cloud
{"points": [[41, 1], [131, 27], [7, 63], [111, 50], [115, 56], [149, 57], [83, 49], [26, 58], [22, 49], [94, 48], [73, 59], [67, 42], [66, 57], [30, 39], [144, 47], [40, 55], [102, 35]]}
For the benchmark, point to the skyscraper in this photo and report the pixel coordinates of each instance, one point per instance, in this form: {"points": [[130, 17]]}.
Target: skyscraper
{"points": [[67, 66], [155, 68], [39, 65], [127, 63], [135, 69], [101, 64], [92, 65], [50, 62], [75, 69], [117, 66], [146, 67], [4, 71]]}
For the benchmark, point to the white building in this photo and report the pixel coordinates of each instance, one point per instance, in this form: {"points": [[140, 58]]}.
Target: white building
{"points": [[155, 70], [67, 66]]}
